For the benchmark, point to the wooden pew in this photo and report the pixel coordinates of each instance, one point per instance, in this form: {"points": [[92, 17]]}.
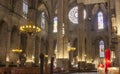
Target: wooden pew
{"points": [[22, 70], [5, 70], [25, 70]]}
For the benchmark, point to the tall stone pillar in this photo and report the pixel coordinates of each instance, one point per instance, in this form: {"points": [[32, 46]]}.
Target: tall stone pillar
{"points": [[8, 47], [65, 20], [117, 54], [117, 3], [81, 33], [60, 52], [62, 60], [37, 50], [30, 50], [117, 7], [88, 40], [51, 34]]}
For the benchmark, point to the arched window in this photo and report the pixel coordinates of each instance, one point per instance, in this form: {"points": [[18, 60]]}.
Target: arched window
{"points": [[25, 8], [55, 24], [101, 48], [43, 20], [100, 21]]}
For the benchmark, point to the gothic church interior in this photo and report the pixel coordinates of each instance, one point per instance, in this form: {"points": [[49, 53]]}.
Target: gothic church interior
{"points": [[74, 31]]}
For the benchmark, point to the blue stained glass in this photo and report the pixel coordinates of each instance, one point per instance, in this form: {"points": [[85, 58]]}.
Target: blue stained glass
{"points": [[100, 20], [25, 8], [43, 20], [55, 24]]}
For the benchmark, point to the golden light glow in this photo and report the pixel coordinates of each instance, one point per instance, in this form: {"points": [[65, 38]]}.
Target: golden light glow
{"points": [[7, 59], [46, 56], [71, 49], [30, 27], [30, 59], [17, 50], [118, 30], [61, 56], [88, 61]]}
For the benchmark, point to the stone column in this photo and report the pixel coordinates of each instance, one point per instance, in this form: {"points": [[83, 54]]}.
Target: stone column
{"points": [[37, 50], [30, 48], [59, 34], [51, 34], [8, 47], [117, 58], [65, 20], [61, 39], [81, 33], [117, 3], [117, 7], [88, 46]]}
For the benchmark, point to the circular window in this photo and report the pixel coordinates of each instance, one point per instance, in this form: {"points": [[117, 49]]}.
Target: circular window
{"points": [[73, 15]]}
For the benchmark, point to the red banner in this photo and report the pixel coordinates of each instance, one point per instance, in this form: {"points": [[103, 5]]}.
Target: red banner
{"points": [[107, 59]]}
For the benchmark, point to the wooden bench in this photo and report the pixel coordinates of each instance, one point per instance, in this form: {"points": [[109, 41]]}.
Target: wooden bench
{"points": [[22, 70], [25, 70], [5, 70]]}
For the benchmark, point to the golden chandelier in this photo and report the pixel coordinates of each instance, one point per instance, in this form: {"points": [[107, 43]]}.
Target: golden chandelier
{"points": [[17, 50], [29, 28]]}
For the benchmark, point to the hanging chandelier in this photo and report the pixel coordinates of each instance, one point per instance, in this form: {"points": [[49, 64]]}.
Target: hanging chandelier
{"points": [[29, 28], [17, 50]]}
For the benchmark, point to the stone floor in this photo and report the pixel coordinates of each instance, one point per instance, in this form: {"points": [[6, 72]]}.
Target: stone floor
{"points": [[85, 73], [80, 73]]}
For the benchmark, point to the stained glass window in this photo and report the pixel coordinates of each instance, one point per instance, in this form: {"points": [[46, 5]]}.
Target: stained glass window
{"points": [[100, 20], [73, 15], [101, 48], [55, 24], [43, 20], [25, 8]]}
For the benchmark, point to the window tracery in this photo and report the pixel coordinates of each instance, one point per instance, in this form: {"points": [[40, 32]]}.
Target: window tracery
{"points": [[73, 15]]}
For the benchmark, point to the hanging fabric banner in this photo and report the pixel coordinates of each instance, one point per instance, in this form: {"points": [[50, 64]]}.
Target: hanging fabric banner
{"points": [[107, 59]]}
